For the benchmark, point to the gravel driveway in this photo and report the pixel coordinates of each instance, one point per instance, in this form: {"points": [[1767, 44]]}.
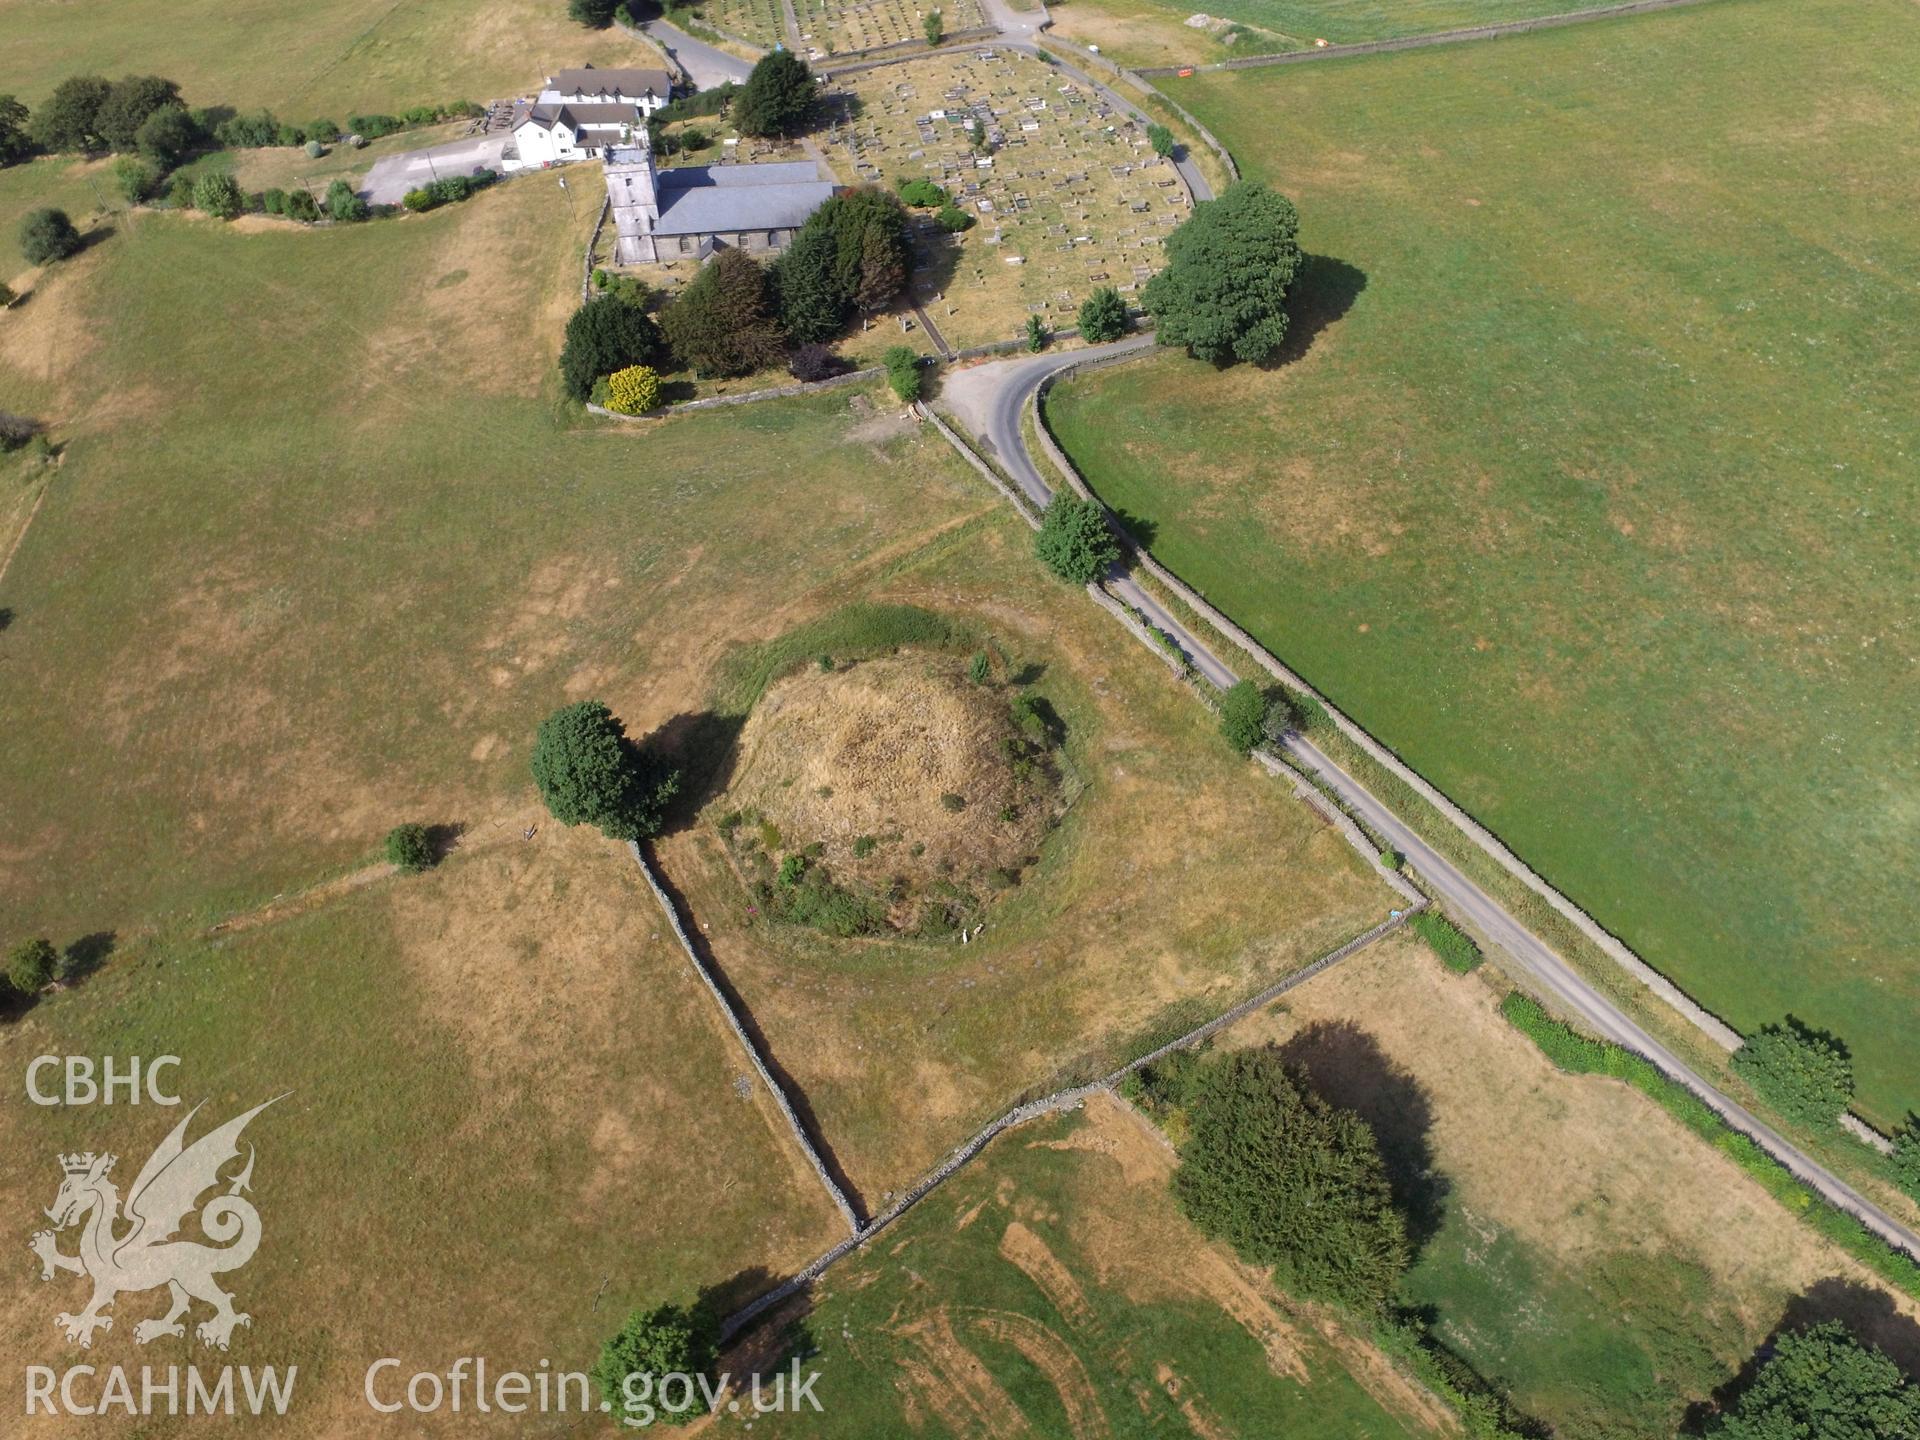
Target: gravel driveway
{"points": [[392, 177]]}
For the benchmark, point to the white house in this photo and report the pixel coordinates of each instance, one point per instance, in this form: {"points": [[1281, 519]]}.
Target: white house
{"points": [[581, 113]]}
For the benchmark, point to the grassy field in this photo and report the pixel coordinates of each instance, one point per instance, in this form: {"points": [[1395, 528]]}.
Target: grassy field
{"points": [[1053, 1289], [513, 1115], [1576, 486], [1576, 1244], [357, 56]]}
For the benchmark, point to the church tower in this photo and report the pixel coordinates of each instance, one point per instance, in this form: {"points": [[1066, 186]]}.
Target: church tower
{"points": [[634, 196]]}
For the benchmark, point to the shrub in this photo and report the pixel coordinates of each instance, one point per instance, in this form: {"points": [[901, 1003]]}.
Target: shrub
{"points": [[596, 14], [372, 127], [1805, 1074], [180, 191], [15, 430], [343, 204], [273, 200], [1243, 712], [953, 804], [863, 846], [168, 136], [410, 848], [1289, 1181], [977, 132], [933, 27], [1458, 953], [903, 372], [135, 177], [247, 132], [1074, 541], [315, 149], [418, 201], [321, 132], [778, 97], [1905, 1159], [602, 337], [1161, 139], [979, 668], [289, 135], [219, 196], [814, 361], [590, 773], [31, 964], [1391, 859], [922, 193], [1168, 1084], [953, 219], [634, 390], [694, 138], [301, 205], [1036, 334], [830, 908], [666, 1340], [1103, 316], [46, 236], [1223, 293]]}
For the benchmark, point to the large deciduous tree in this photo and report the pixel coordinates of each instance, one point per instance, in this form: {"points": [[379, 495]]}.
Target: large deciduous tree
{"points": [[1290, 1181], [1074, 540], [1821, 1383], [46, 236], [16, 140], [1223, 293], [168, 136], [602, 337], [590, 773], [651, 1345], [127, 106], [1804, 1073], [67, 120], [723, 323], [1103, 316], [779, 96]]}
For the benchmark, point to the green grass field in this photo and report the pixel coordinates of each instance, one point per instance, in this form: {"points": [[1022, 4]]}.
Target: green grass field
{"points": [[1585, 493], [1053, 1289], [356, 56]]}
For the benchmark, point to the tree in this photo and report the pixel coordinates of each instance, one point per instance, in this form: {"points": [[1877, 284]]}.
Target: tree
{"points": [[302, 206], [903, 372], [590, 773], [127, 105], [778, 97], [1243, 715], [811, 305], [977, 132], [934, 27], [723, 323], [1074, 540], [1820, 1383], [46, 236], [1103, 316], [7, 297], [168, 136], [953, 219], [1289, 1181], [1161, 139], [66, 121], [602, 337], [1223, 293], [851, 251], [16, 140], [343, 203], [219, 196], [814, 362], [634, 390], [410, 848], [883, 270], [1036, 334], [597, 14], [135, 178], [922, 193], [1905, 1158], [1805, 1074], [653, 1344], [31, 964]]}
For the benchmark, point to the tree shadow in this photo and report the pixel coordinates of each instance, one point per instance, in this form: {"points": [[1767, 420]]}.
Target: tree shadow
{"points": [[704, 746], [443, 840], [1139, 528], [1869, 1315], [6, 618], [796, 1097], [98, 235], [1324, 290], [935, 257], [1346, 1067], [86, 955], [1028, 674]]}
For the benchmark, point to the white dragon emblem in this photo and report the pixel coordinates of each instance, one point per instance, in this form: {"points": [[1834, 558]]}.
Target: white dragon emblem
{"points": [[145, 1255]]}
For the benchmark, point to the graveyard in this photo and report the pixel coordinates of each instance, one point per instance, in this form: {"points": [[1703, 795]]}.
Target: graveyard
{"points": [[833, 27], [758, 22], [1066, 195]]}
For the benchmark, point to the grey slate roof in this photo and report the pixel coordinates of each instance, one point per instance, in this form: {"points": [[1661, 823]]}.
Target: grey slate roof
{"points": [[719, 199], [633, 83], [595, 115]]}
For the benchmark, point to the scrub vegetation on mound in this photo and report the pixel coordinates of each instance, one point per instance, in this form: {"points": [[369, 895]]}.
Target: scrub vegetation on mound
{"points": [[898, 792]]}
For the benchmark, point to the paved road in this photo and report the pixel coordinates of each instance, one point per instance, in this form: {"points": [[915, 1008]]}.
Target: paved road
{"points": [[991, 401], [393, 176], [709, 66]]}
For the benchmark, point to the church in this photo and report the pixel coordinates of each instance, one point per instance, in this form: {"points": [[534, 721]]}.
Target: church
{"points": [[690, 211]]}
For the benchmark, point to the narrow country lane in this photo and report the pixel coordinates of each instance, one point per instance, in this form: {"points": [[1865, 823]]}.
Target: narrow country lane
{"points": [[990, 401]]}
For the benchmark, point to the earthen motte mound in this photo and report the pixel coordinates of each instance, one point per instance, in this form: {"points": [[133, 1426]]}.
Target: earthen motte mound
{"points": [[874, 750]]}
